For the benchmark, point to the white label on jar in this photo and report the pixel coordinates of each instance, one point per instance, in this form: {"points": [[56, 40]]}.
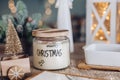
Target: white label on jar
{"points": [[51, 55]]}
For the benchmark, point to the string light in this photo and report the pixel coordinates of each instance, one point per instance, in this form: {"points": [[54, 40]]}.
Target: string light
{"points": [[101, 31], [51, 1], [11, 6], [108, 18], [92, 28], [101, 9], [48, 11], [108, 32], [118, 11], [104, 12], [101, 37], [94, 25], [92, 15], [97, 34]]}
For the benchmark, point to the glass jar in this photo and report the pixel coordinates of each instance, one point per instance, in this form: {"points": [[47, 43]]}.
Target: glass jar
{"points": [[51, 51]]}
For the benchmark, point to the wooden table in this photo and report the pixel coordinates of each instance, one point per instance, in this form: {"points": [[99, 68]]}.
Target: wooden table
{"points": [[76, 58]]}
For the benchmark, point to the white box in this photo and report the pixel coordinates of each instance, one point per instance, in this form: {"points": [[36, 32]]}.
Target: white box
{"points": [[103, 54]]}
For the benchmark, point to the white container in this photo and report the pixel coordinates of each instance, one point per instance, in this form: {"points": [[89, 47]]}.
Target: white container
{"points": [[103, 54]]}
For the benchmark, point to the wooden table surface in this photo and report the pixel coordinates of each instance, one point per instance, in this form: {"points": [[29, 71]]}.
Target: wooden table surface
{"points": [[76, 58]]}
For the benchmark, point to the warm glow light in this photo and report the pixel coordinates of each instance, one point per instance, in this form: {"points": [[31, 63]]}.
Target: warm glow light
{"points": [[51, 1], [118, 11], [12, 7], [97, 34], [108, 18], [101, 37], [48, 11], [92, 15], [104, 12], [108, 32], [92, 28], [11, 4], [94, 25], [101, 8], [101, 31]]}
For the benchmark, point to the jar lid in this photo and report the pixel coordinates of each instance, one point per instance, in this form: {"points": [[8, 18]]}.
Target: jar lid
{"points": [[49, 32]]}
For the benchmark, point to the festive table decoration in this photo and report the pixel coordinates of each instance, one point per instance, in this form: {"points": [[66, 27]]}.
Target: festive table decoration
{"points": [[14, 63], [51, 46], [12, 7], [101, 21], [103, 26], [13, 44]]}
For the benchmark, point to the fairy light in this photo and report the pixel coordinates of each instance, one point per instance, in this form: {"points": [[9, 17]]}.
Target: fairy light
{"points": [[108, 32], [104, 12], [92, 28], [100, 31], [101, 37], [92, 15], [118, 11], [101, 9], [48, 11], [97, 34], [11, 6], [108, 18], [94, 25], [51, 1]]}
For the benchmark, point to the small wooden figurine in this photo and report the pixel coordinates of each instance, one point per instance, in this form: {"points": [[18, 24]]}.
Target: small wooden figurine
{"points": [[14, 64]]}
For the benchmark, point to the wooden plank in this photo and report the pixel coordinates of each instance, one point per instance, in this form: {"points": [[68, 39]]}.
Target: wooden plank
{"points": [[101, 67]]}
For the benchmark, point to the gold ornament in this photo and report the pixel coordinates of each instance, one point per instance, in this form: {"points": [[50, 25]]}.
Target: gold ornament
{"points": [[12, 6], [13, 44]]}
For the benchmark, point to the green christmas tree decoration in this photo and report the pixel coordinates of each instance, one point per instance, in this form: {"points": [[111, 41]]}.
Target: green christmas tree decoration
{"points": [[21, 23], [2, 29], [22, 12]]}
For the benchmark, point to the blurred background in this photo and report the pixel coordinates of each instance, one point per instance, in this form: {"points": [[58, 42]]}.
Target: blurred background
{"points": [[48, 16]]}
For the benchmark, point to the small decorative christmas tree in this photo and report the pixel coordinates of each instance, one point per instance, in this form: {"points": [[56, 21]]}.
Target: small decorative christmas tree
{"points": [[13, 45]]}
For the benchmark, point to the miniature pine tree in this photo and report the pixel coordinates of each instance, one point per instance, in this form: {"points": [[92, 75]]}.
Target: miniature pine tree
{"points": [[13, 45]]}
